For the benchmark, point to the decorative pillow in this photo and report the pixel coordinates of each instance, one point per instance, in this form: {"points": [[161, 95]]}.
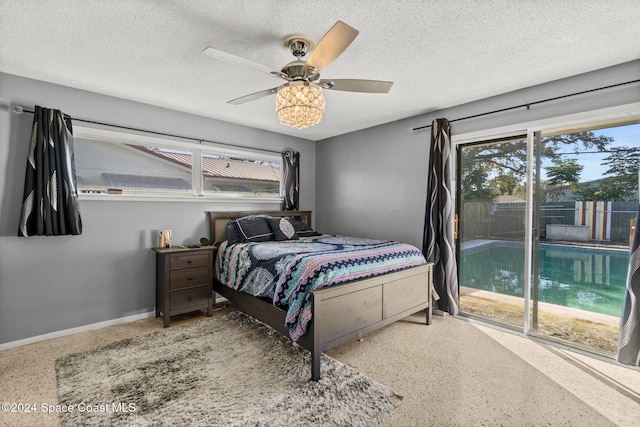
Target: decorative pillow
{"points": [[254, 228], [282, 229], [233, 235], [302, 229]]}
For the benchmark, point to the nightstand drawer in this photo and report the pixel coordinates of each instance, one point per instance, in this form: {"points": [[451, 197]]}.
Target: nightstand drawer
{"points": [[187, 298], [189, 260], [188, 277]]}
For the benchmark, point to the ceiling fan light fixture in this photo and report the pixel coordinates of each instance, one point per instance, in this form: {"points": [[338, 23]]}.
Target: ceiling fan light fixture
{"points": [[300, 104]]}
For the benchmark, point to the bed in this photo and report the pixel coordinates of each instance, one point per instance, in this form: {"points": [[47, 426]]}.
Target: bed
{"points": [[337, 313]]}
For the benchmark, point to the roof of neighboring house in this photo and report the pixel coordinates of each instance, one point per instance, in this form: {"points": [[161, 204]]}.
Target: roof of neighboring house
{"points": [[139, 181], [221, 168], [508, 199]]}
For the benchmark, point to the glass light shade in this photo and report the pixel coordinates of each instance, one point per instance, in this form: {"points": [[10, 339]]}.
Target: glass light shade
{"points": [[300, 104]]}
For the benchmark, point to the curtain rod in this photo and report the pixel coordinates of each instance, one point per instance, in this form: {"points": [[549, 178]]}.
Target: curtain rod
{"points": [[19, 110], [529, 104]]}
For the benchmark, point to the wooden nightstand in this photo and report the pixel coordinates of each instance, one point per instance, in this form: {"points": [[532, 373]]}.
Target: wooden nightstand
{"points": [[184, 280]]}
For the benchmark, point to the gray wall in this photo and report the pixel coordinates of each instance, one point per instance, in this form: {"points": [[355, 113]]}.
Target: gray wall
{"points": [[48, 284], [373, 182]]}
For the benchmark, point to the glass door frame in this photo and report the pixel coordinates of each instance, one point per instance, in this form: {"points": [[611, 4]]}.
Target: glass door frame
{"points": [[529, 135], [534, 132], [532, 219], [529, 249]]}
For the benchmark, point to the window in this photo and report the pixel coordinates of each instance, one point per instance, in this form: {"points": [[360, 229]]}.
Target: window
{"points": [[103, 166], [224, 174], [120, 163]]}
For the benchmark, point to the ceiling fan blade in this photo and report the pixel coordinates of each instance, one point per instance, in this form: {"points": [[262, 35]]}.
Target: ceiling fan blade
{"points": [[356, 85], [332, 44], [253, 96], [236, 60]]}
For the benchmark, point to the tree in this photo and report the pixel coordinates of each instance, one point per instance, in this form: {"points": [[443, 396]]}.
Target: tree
{"points": [[579, 141], [512, 155], [474, 178], [624, 163], [604, 190], [622, 180], [505, 184], [564, 172], [483, 165]]}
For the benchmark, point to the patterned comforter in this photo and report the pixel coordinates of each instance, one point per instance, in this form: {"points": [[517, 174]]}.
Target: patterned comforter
{"points": [[287, 271]]}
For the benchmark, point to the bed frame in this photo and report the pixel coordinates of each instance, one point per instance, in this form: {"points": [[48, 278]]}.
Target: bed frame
{"points": [[341, 313]]}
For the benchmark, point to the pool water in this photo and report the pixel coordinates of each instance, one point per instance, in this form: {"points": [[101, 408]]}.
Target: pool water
{"points": [[590, 279]]}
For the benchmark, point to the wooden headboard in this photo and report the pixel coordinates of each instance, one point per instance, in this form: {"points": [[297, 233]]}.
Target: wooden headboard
{"points": [[218, 221]]}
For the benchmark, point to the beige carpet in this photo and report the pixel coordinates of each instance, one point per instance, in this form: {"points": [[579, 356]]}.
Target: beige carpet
{"points": [[486, 377]]}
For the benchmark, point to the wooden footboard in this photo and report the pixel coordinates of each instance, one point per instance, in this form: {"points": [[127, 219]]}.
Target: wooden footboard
{"points": [[340, 313], [347, 312]]}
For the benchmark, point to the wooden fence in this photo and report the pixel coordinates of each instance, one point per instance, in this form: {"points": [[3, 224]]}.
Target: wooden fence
{"points": [[506, 221]]}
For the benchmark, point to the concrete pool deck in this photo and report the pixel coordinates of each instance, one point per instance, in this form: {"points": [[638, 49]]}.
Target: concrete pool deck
{"points": [[544, 307], [470, 244]]}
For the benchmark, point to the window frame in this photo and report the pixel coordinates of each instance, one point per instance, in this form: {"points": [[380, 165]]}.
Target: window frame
{"points": [[197, 194]]}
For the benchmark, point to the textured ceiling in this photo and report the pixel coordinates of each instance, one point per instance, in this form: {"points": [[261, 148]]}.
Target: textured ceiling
{"points": [[438, 53]]}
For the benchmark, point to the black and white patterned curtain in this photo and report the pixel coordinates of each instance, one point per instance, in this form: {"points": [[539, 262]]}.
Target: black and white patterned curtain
{"points": [[629, 336], [291, 174], [438, 244], [50, 201]]}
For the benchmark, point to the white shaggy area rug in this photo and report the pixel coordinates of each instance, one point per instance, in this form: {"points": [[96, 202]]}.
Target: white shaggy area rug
{"points": [[224, 371]]}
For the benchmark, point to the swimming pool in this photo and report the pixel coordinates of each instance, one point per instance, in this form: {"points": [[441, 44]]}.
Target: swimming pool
{"points": [[590, 279]]}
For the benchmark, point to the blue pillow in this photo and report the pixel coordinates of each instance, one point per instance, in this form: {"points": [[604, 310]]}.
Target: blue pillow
{"points": [[254, 228]]}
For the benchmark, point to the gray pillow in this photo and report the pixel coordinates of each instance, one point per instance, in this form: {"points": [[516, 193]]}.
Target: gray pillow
{"points": [[282, 229], [302, 229]]}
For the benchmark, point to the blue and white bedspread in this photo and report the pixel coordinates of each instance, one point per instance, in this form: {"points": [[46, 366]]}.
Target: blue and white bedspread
{"points": [[287, 271]]}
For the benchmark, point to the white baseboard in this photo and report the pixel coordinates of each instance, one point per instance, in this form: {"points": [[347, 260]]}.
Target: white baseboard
{"points": [[58, 334]]}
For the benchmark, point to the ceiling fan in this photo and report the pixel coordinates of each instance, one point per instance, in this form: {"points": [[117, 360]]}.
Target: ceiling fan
{"points": [[300, 101]]}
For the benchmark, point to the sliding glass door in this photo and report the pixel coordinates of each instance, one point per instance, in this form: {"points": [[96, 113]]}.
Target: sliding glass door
{"points": [[577, 192], [585, 199], [491, 237]]}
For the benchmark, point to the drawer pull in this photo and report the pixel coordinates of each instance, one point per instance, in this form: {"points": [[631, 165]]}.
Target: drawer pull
{"points": [[189, 298], [189, 261], [190, 277]]}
